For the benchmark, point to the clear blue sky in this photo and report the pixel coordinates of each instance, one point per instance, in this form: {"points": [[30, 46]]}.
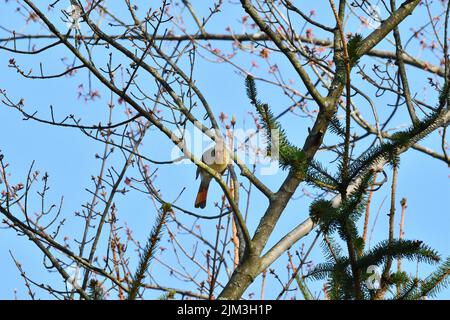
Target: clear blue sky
{"points": [[69, 156]]}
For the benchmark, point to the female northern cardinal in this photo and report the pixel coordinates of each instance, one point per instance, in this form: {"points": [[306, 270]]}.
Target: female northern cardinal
{"points": [[216, 158]]}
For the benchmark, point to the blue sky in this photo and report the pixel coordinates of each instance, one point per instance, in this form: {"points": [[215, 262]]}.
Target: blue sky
{"points": [[69, 156]]}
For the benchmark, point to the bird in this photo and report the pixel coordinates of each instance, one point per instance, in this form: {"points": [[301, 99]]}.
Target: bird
{"points": [[217, 158]]}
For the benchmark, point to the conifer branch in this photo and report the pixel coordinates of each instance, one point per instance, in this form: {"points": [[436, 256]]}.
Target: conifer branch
{"points": [[435, 282], [289, 156], [148, 252]]}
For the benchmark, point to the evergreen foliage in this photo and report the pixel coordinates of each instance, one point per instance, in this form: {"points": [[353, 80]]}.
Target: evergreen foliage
{"points": [[352, 46], [431, 286], [348, 276], [148, 252], [289, 156], [96, 290], [338, 269]]}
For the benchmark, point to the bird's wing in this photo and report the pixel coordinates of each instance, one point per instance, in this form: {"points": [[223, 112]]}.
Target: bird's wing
{"points": [[197, 173], [199, 170]]}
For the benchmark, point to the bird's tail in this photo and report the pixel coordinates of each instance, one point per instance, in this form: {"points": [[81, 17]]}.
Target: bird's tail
{"points": [[200, 201]]}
